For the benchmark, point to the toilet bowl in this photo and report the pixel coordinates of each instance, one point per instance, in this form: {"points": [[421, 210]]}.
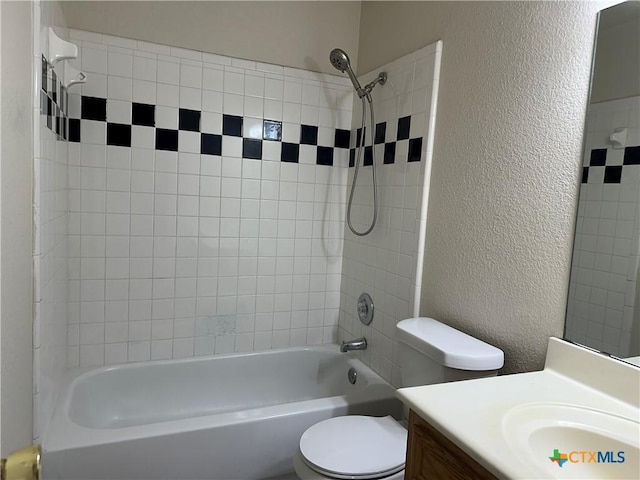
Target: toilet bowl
{"points": [[358, 447], [352, 447]]}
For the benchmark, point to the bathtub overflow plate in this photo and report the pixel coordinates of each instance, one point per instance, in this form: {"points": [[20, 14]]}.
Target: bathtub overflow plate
{"points": [[365, 308], [352, 375]]}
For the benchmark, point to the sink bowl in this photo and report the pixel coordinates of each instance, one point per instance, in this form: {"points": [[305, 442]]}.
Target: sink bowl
{"points": [[568, 441]]}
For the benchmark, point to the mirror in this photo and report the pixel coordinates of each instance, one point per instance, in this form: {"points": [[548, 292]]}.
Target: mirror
{"points": [[603, 310]]}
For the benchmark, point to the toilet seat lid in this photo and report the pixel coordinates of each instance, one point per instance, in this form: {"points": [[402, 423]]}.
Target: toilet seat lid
{"points": [[355, 446]]}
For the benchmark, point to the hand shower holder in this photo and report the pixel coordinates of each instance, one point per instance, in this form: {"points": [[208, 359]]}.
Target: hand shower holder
{"points": [[73, 77], [380, 79]]}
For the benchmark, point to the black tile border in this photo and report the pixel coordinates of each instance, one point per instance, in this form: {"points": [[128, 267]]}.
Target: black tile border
{"points": [[324, 156], [342, 138], [143, 114], [290, 152], [598, 157], [95, 108], [189, 120], [404, 127], [359, 136], [381, 129], [54, 101], [44, 75], [119, 134], [74, 130], [389, 153], [210, 144], [166, 139], [368, 156], [415, 150], [631, 156], [613, 174], [252, 148], [308, 135], [54, 87], [232, 125], [585, 174]]}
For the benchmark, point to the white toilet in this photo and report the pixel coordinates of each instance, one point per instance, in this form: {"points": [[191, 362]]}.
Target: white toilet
{"points": [[359, 447]]}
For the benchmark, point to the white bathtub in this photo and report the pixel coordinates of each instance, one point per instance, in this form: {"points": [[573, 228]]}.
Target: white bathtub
{"points": [[236, 416]]}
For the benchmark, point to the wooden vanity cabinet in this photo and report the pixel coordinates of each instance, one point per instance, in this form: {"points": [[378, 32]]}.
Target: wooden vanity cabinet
{"points": [[432, 456]]}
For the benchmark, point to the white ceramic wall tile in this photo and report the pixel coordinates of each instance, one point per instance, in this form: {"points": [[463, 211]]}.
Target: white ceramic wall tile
{"points": [[182, 254], [51, 217], [386, 262]]}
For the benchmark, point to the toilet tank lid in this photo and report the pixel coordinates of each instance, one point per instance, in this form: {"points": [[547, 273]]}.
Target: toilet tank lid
{"points": [[448, 346]]}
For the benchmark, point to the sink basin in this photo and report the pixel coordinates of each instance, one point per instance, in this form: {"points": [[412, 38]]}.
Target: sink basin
{"points": [[568, 441]]}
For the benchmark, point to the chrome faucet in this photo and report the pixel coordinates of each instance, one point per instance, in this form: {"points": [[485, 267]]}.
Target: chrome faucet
{"points": [[357, 344]]}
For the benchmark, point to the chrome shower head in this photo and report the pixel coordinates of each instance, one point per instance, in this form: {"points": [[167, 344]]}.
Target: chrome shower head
{"points": [[340, 60]]}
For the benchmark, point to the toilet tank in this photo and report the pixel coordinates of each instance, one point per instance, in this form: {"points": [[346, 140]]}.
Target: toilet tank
{"points": [[432, 352]]}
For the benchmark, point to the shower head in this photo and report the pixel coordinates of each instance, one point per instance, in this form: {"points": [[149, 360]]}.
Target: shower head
{"points": [[340, 60]]}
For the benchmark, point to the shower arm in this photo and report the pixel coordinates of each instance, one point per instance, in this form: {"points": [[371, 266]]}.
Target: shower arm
{"points": [[368, 88], [380, 79]]}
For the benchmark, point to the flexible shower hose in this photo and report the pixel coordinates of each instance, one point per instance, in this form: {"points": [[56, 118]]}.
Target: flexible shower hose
{"points": [[355, 173]]}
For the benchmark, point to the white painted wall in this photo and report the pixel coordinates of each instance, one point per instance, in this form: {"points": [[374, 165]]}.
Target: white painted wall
{"points": [[0, 235], [296, 34], [15, 208], [513, 97]]}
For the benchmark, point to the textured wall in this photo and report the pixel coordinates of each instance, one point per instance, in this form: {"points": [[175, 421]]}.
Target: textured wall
{"points": [[511, 110], [295, 34]]}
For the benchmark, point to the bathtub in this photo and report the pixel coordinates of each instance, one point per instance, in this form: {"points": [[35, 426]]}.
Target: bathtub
{"points": [[236, 416]]}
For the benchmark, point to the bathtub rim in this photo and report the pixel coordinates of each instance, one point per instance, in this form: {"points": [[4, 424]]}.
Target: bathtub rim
{"points": [[63, 433]]}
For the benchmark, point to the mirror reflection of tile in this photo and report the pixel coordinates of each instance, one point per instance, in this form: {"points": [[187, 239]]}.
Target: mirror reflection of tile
{"points": [[602, 309]]}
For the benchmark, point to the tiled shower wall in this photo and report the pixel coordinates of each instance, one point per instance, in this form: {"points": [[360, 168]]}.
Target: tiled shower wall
{"points": [[206, 199], [387, 262], [50, 222], [604, 271]]}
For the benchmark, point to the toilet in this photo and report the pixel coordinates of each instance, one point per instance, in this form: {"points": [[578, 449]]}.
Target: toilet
{"points": [[359, 447]]}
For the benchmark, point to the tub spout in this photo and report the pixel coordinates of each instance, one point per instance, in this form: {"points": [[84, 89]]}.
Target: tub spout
{"points": [[357, 344]]}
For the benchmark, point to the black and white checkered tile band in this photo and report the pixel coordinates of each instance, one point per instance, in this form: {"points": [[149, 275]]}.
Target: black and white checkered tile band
{"points": [[612, 173], [54, 102], [388, 149], [94, 109]]}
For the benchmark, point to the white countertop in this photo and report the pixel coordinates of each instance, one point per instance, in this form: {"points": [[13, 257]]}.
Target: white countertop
{"points": [[634, 360], [471, 413]]}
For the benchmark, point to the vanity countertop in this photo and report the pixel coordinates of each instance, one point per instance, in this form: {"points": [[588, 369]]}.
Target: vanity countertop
{"points": [[474, 414]]}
